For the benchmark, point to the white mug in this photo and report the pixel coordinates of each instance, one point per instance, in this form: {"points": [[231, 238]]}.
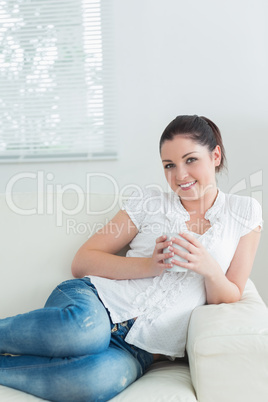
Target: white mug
{"points": [[175, 268]]}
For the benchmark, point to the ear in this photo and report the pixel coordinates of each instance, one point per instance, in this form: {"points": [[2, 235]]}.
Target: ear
{"points": [[217, 155]]}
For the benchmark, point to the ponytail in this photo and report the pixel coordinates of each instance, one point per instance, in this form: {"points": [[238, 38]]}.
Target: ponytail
{"points": [[218, 138]]}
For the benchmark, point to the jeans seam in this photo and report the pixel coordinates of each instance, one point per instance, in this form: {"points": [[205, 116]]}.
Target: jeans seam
{"points": [[40, 366], [61, 291]]}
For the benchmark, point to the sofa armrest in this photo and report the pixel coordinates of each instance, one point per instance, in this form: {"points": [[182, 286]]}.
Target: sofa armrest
{"points": [[227, 347]]}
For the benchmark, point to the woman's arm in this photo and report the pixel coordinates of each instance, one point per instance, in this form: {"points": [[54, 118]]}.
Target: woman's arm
{"points": [[229, 288], [97, 256], [220, 288]]}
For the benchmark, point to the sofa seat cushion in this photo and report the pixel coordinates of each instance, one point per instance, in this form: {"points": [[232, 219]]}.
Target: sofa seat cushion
{"points": [[165, 381]]}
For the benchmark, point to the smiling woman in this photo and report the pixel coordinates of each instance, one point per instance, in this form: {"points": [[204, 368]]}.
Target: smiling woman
{"points": [[190, 166], [192, 151], [139, 307]]}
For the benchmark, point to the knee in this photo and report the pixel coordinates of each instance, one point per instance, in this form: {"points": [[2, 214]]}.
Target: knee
{"points": [[81, 325], [93, 332], [86, 335]]}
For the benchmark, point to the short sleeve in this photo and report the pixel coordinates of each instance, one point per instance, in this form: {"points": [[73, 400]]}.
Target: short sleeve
{"points": [[140, 204], [253, 217]]}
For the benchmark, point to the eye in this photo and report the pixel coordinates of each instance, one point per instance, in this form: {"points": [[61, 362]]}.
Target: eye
{"points": [[191, 160], [169, 166]]}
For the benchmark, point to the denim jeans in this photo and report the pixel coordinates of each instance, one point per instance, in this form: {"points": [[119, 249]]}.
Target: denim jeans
{"points": [[69, 350]]}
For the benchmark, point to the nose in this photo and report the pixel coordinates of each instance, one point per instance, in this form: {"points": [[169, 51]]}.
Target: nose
{"points": [[181, 173]]}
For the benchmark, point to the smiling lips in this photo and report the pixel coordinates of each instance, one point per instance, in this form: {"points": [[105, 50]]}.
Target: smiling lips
{"points": [[187, 186]]}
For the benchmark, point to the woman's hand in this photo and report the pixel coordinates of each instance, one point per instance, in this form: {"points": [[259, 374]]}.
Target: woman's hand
{"points": [[198, 258], [157, 264]]}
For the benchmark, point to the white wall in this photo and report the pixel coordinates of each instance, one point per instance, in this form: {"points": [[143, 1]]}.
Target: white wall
{"points": [[182, 57]]}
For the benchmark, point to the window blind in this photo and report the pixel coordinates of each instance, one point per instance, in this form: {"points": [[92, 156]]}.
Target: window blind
{"points": [[56, 92]]}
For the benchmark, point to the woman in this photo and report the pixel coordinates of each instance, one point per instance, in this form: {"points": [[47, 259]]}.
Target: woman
{"points": [[98, 334]]}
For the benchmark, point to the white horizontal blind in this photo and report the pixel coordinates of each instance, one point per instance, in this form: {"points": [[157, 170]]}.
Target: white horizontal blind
{"points": [[56, 93]]}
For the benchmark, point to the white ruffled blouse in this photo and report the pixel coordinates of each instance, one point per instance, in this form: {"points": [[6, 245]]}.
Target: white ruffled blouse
{"points": [[163, 304]]}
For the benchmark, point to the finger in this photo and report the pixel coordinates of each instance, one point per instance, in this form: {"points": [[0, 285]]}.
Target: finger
{"points": [[162, 245], [185, 244], [166, 266], [181, 242], [190, 238], [182, 264], [165, 256], [183, 254], [161, 238]]}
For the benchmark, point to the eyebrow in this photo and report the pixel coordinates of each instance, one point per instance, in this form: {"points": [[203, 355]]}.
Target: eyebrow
{"points": [[184, 156]]}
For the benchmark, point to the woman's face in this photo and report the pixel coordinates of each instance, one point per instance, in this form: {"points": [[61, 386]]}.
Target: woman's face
{"points": [[189, 167]]}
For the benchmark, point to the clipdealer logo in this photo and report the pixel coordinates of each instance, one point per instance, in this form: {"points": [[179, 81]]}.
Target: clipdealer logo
{"points": [[50, 198]]}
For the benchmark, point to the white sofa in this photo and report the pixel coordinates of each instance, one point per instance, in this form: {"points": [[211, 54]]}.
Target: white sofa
{"points": [[227, 344]]}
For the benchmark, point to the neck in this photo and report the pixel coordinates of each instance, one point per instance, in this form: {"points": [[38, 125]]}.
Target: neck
{"points": [[200, 205]]}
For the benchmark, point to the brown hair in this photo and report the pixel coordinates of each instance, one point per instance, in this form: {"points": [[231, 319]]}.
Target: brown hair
{"points": [[199, 129]]}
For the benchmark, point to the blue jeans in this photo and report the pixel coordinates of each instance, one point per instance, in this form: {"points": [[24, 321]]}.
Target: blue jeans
{"points": [[69, 350]]}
